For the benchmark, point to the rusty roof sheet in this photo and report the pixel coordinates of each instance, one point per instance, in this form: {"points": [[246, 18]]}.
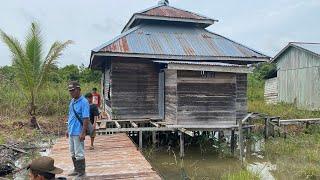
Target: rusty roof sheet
{"points": [[177, 41], [169, 11], [168, 14]]}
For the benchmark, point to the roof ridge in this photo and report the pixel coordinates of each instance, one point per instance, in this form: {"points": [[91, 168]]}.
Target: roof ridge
{"points": [[304, 48], [295, 45], [193, 13], [150, 8], [158, 6], [293, 42]]}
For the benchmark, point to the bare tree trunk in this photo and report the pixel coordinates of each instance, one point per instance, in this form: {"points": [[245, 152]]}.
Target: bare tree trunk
{"points": [[33, 119]]}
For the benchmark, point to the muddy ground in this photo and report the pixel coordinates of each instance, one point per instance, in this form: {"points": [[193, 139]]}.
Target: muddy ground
{"points": [[18, 138]]}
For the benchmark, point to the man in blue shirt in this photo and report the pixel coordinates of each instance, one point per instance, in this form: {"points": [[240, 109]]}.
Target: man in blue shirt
{"points": [[78, 119]]}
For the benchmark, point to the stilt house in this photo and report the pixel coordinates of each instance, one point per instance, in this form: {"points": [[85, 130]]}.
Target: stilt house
{"points": [[166, 65]]}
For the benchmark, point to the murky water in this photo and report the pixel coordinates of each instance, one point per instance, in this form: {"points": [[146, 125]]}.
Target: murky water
{"points": [[193, 166], [25, 160], [210, 165]]}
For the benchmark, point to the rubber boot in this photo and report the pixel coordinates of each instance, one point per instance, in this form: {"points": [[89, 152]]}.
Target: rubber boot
{"points": [[75, 171], [82, 168]]}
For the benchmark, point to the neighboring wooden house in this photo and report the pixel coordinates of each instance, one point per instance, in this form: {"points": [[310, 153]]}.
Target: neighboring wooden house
{"points": [[298, 75], [271, 91], [166, 65]]}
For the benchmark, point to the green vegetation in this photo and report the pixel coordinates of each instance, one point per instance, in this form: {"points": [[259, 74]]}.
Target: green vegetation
{"points": [[34, 84], [298, 155], [2, 139], [31, 68], [240, 175], [53, 99]]}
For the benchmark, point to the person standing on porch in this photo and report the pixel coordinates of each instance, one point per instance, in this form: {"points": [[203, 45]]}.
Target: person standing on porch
{"points": [[78, 119], [96, 98]]}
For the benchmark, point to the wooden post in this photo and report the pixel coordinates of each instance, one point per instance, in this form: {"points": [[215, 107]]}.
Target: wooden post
{"points": [[140, 139], [220, 136], [241, 142], [154, 137], [181, 144], [278, 120], [232, 141], [266, 127], [249, 130], [117, 124], [285, 132], [307, 124]]}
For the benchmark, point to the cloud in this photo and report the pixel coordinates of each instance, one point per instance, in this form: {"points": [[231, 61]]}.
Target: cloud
{"points": [[263, 25]]}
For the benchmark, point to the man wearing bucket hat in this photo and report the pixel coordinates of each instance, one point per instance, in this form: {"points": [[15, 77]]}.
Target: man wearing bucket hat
{"points": [[43, 169], [78, 119]]}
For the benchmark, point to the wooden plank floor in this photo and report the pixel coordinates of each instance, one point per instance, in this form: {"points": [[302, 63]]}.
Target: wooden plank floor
{"points": [[114, 157]]}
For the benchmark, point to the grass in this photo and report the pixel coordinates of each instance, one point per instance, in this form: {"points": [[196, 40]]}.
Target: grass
{"points": [[240, 175], [2, 139], [52, 100], [285, 111], [297, 155], [18, 130]]}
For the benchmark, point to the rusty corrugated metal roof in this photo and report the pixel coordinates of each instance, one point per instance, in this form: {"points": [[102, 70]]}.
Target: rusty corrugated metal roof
{"points": [[164, 12], [169, 11], [181, 35], [164, 40]]}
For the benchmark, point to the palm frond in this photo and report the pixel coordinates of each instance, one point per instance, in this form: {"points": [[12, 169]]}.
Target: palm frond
{"points": [[54, 53], [33, 48], [19, 59]]}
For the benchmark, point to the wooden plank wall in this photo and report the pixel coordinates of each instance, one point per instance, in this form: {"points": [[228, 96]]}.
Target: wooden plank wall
{"points": [[207, 100], [171, 96], [134, 89], [241, 91], [271, 91], [299, 78], [106, 98]]}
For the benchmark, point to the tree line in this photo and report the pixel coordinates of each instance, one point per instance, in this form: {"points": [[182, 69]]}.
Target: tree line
{"points": [[59, 75]]}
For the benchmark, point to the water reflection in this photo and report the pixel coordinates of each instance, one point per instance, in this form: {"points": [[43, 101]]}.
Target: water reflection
{"points": [[194, 166], [210, 165], [262, 169]]}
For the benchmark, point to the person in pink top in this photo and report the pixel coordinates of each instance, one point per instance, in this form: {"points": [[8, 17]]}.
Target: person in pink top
{"points": [[96, 98]]}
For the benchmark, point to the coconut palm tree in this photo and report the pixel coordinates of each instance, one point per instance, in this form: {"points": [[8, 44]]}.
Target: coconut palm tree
{"points": [[30, 65]]}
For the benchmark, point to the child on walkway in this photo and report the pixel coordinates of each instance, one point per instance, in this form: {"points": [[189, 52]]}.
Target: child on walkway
{"points": [[94, 114]]}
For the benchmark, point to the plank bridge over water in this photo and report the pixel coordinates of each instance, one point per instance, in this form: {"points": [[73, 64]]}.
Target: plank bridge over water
{"points": [[114, 157]]}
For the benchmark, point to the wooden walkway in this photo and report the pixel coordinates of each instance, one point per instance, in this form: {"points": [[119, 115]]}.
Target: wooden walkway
{"points": [[114, 157]]}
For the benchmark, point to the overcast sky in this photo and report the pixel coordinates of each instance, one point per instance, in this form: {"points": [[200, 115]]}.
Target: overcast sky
{"points": [[266, 26]]}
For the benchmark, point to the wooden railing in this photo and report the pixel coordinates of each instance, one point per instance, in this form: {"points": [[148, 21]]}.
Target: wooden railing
{"points": [[241, 145]]}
